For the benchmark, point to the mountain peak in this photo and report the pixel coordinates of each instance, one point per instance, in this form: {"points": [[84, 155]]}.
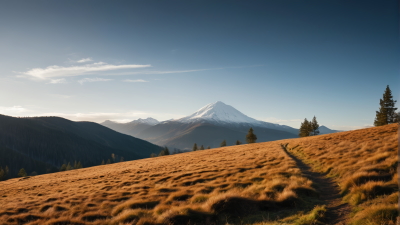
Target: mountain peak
{"points": [[149, 120], [218, 112]]}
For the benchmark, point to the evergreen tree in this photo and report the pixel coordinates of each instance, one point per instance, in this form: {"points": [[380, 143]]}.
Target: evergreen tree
{"points": [[201, 147], [305, 128], [113, 157], [238, 142], [223, 143], [195, 147], [22, 173], [208, 147], [69, 167], [162, 153], [75, 165], [103, 163], [386, 114], [6, 172], [153, 155], [122, 159], [63, 167], [314, 126], [108, 161], [250, 137], [166, 150], [33, 173], [2, 173], [79, 166]]}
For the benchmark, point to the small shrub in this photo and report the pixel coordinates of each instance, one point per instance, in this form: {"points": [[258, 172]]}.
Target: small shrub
{"points": [[314, 217], [199, 199]]}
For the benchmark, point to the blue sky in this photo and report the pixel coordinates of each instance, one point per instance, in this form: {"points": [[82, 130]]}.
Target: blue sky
{"points": [[277, 61]]}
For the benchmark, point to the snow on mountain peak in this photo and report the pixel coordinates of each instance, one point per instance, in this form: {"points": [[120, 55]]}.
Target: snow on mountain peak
{"points": [[218, 112], [149, 120]]}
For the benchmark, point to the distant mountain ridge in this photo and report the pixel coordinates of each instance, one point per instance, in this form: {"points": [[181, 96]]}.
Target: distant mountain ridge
{"points": [[324, 130], [208, 126], [131, 128], [44, 143]]}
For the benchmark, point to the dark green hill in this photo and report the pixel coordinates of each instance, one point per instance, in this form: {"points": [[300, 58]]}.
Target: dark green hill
{"points": [[54, 141], [15, 161]]}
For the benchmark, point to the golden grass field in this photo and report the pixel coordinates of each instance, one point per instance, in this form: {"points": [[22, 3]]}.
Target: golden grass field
{"points": [[247, 184], [364, 163]]}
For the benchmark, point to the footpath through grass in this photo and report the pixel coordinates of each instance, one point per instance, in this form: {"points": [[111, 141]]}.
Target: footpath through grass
{"points": [[364, 164]]}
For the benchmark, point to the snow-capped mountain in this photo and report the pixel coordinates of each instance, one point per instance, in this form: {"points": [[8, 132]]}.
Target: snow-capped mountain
{"points": [[149, 121], [208, 126], [219, 113]]}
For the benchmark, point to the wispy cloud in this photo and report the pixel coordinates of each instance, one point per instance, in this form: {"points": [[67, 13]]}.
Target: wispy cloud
{"points": [[12, 109], [58, 81], [149, 72], [84, 60], [136, 81], [60, 71], [93, 80]]}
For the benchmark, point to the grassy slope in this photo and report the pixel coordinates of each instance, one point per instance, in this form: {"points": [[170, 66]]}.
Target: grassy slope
{"points": [[364, 162], [247, 184]]}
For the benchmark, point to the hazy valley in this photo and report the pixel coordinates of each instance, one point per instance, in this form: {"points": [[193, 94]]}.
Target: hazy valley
{"points": [[208, 126]]}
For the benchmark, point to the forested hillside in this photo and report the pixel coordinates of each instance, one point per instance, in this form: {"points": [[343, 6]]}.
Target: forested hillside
{"points": [[43, 143]]}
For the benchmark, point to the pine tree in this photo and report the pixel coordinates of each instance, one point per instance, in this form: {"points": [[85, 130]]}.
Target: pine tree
{"points": [[69, 167], [79, 166], [195, 147], [223, 143], [238, 142], [166, 150], [208, 147], [305, 128], [250, 137], [314, 126], [152, 155], [108, 161], [75, 165], [2, 173], [113, 157], [162, 153], [63, 167], [122, 159], [386, 114], [201, 147], [22, 173], [103, 163], [6, 172]]}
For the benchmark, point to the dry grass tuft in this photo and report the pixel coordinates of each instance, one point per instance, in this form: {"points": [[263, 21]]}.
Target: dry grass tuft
{"points": [[377, 214], [134, 204], [130, 216]]}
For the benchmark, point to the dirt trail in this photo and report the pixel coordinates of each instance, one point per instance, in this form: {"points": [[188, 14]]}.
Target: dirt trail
{"points": [[337, 211]]}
